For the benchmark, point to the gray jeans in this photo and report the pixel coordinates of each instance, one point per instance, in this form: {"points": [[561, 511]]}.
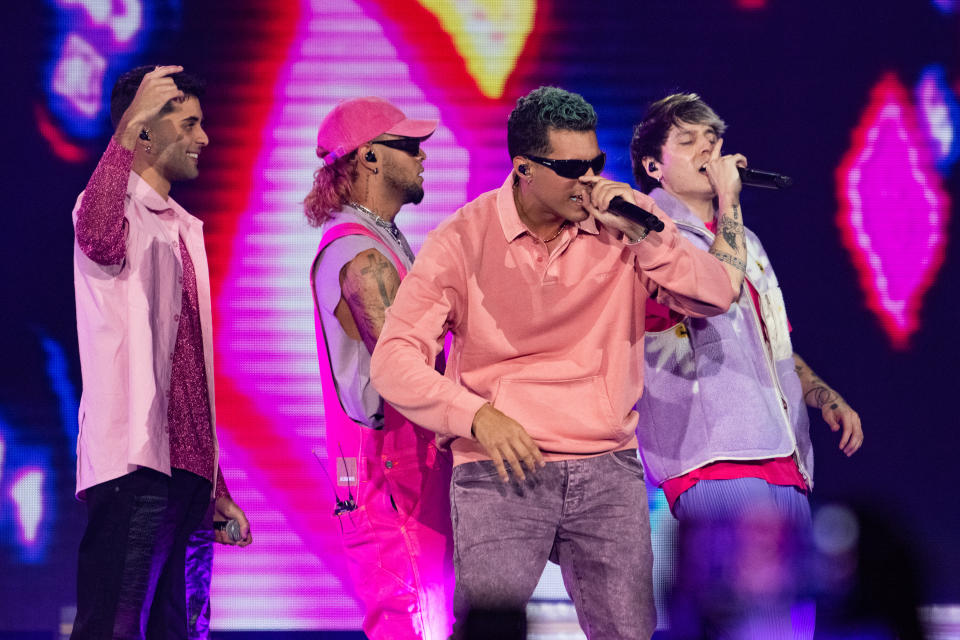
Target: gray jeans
{"points": [[588, 515]]}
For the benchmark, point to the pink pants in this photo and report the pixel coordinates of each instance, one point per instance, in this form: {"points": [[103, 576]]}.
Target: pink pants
{"points": [[399, 542]]}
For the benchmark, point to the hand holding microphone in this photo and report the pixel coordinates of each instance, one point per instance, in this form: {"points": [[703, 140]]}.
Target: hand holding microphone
{"points": [[723, 173], [231, 527], [613, 204], [752, 177]]}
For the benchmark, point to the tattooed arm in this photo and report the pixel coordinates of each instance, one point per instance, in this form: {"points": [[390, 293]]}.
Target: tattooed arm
{"points": [[836, 412], [369, 284], [730, 246]]}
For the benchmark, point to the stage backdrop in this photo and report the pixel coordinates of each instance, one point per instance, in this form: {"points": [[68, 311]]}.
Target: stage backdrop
{"points": [[857, 101]]}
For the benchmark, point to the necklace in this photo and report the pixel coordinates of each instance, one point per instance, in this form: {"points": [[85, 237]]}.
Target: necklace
{"points": [[389, 226], [516, 202], [563, 225], [376, 218]]}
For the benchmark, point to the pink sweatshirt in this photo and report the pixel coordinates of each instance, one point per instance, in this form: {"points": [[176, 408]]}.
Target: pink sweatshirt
{"points": [[553, 340]]}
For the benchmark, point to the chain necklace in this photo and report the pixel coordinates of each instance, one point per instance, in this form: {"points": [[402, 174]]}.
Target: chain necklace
{"points": [[563, 225], [516, 202], [389, 226]]}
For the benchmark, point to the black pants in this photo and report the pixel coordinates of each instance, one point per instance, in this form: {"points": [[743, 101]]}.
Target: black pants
{"points": [[131, 581]]}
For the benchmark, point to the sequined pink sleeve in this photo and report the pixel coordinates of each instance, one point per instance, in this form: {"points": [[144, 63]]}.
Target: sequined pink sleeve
{"points": [[222, 490], [100, 221]]}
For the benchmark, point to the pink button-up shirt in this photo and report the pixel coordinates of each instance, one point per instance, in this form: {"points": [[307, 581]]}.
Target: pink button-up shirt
{"points": [[129, 293], [553, 339]]}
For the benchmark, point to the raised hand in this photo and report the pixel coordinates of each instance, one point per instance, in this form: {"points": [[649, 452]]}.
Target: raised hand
{"points": [[723, 175], [156, 89]]}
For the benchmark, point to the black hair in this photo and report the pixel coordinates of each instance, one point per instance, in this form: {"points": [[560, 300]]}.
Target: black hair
{"points": [[543, 109], [125, 88]]}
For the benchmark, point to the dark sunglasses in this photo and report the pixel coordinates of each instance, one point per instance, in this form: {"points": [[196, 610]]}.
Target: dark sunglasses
{"points": [[409, 146], [572, 169]]}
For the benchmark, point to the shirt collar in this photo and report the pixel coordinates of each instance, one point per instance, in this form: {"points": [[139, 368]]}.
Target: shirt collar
{"points": [[510, 221], [143, 193]]}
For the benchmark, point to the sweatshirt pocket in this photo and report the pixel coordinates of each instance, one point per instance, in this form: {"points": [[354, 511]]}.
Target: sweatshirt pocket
{"points": [[563, 416]]}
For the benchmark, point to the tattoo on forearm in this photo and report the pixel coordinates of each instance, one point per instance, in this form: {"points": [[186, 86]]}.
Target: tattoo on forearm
{"points": [[731, 228], [821, 396], [733, 261]]}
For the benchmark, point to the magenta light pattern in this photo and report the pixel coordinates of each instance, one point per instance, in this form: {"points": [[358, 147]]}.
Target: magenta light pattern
{"points": [[893, 210], [266, 346]]}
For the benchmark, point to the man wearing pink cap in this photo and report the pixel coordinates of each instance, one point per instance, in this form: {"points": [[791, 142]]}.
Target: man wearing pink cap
{"points": [[392, 481]]}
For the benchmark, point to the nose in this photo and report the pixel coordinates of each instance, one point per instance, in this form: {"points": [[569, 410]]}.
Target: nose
{"points": [[422, 154], [708, 144], [201, 138]]}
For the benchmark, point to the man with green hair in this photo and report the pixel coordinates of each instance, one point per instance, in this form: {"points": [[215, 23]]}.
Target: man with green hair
{"points": [[543, 290]]}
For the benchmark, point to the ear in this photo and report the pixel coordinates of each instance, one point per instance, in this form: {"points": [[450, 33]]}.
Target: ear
{"points": [[651, 167], [525, 173], [367, 158]]}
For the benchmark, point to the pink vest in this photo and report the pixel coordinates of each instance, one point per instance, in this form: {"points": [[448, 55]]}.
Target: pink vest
{"points": [[401, 449]]}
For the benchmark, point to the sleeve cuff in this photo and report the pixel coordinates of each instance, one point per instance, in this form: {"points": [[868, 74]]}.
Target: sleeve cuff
{"points": [[460, 414], [117, 155], [221, 490]]}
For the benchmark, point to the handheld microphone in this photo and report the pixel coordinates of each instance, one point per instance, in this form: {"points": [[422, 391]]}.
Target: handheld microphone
{"points": [[632, 212], [232, 527], [763, 179]]}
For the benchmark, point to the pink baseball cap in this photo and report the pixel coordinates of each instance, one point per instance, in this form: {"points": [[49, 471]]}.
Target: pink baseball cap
{"points": [[359, 120]]}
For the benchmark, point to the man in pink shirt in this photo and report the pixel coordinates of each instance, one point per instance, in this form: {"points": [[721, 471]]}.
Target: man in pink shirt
{"points": [[147, 454], [543, 290]]}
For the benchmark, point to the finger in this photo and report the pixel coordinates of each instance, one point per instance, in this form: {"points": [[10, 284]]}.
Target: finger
{"points": [[528, 454], [164, 70], [847, 434], [501, 470], [739, 159], [856, 440], [589, 206], [589, 179], [831, 419], [853, 447], [716, 149], [601, 196], [515, 467], [533, 450], [530, 462], [247, 539]]}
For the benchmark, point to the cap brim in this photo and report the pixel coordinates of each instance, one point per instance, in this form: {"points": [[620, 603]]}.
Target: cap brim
{"points": [[413, 128]]}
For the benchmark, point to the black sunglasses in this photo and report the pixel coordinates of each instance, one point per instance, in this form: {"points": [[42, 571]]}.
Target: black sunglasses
{"points": [[572, 169], [409, 146]]}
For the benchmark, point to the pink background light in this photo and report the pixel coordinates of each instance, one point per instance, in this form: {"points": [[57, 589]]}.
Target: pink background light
{"points": [[893, 212]]}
